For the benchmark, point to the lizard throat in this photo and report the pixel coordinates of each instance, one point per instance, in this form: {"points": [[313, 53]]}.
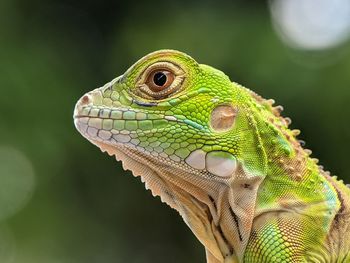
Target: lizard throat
{"points": [[204, 204]]}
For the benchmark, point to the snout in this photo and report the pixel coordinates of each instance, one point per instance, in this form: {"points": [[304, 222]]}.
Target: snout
{"points": [[92, 98], [84, 109]]}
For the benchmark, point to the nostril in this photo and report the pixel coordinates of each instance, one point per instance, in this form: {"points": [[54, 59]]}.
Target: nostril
{"points": [[85, 99]]}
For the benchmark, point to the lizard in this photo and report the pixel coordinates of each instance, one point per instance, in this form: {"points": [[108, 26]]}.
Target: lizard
{"points": [[223, 157]]}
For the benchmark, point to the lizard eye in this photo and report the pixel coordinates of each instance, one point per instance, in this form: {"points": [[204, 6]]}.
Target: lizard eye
{"points": [[159, 81]]}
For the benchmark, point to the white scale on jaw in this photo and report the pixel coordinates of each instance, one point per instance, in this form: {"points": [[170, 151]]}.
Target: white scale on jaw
{"points": [[219, 163]]}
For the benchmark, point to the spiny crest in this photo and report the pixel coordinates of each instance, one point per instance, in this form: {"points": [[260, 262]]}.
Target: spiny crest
{"points": [[297, 166], [291, 135], [275, 110]]}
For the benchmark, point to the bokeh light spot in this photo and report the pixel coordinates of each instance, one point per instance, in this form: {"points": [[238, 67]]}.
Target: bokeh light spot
{"points": [[311, 24], [17, 181]]}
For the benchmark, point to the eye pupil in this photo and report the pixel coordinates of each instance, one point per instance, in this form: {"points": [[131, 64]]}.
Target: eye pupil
{"points": [[159, 79]]}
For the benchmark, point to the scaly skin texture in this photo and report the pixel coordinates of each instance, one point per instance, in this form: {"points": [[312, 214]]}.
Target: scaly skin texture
{"points": [[223, 157]]}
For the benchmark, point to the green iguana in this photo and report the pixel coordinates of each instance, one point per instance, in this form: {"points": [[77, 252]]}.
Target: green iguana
{"points": [[223, 157]]}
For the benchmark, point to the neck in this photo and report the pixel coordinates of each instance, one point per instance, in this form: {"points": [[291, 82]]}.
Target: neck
{"points": [[219, 212]]}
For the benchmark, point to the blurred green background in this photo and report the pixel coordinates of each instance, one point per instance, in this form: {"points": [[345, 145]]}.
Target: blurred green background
{"points": [[61, 199]]}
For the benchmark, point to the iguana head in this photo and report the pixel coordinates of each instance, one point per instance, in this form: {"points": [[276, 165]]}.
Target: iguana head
{"points": [[171, 108], [193, 136]]}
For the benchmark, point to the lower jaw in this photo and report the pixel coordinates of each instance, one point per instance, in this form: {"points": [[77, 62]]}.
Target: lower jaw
{"points": [[172, 190]]}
